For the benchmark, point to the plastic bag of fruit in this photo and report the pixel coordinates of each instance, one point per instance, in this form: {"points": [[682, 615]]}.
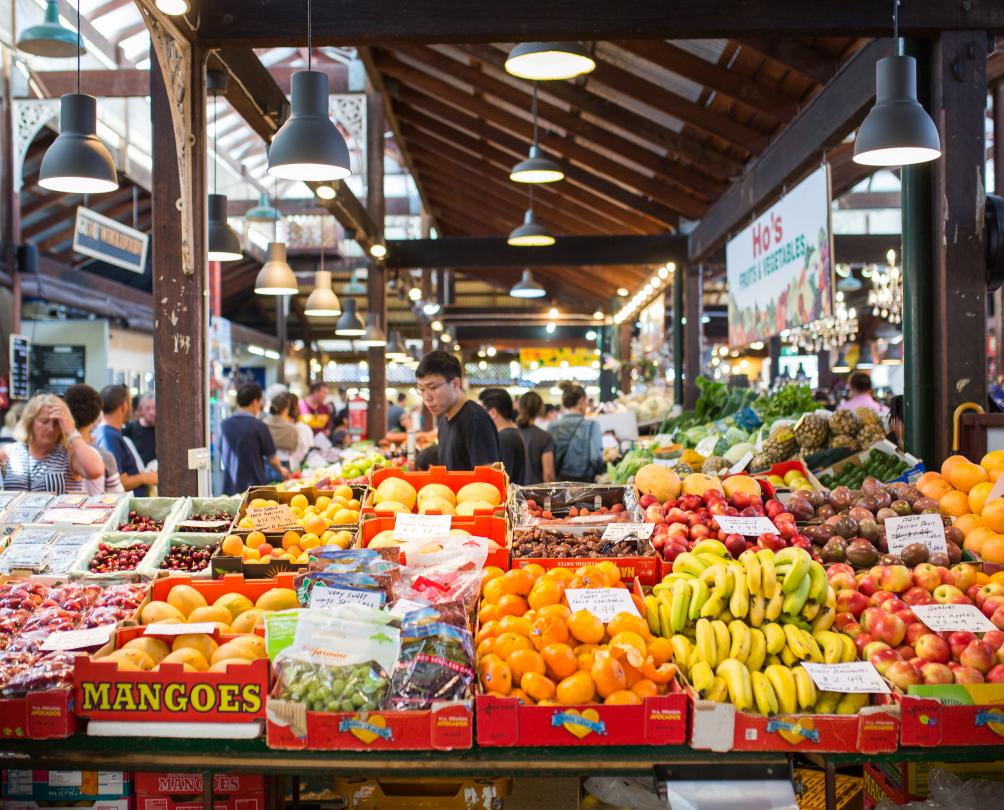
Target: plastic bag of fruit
{"points": [[333, 559], [456, 551], [436, 663], [25, 595], [50, 671], [11, 622], [115, 604], [320, 588], [73, 596], [443, 584]]}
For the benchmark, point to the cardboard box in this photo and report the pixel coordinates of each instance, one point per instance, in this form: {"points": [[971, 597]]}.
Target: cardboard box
{"points": [[912, 473], [38, 715], [953, 714], [489, 526], [183, 791], [71, 785], [455, 480], [646, 570], [505, 722], [125, 803], [447, 726]]}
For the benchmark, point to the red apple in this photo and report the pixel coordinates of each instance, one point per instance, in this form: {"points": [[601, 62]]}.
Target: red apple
{"points": [[736, 544], [645, 501], [654, 514], [933, 647], [844, 620], [718, 508], [879, 597], [907, 652], [804, 543], [838, 568], [741, 499], [869, 618], [872, 647], [699, 532], [862, 640], [850, 628], [672, 550], [890, 629], [998, 619], [894, 605], [843, 581], [895, 578], [926, 576], [944, 594], [849, 601], [772, 541], [972, 590], [968, 675], [883, 658], [958, 641], [783, 517], [904, 675], [991, 604], [934, 672], [915, 631], [947, 577], [995, 638], [908, 616], [868, 584], [995, 674], [785, 529], [965, 575], [916, 595], [675, 515], [988, 590], [979, 655], [774, 508], [690, 503]]}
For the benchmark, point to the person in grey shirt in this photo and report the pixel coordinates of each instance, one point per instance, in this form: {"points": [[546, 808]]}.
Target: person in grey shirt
{"points": [[578, 442]]}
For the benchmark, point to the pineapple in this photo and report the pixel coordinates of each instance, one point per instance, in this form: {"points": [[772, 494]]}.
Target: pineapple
{"points": [[812, 432]]}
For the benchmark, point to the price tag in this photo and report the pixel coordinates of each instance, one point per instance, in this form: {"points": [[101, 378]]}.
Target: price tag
{"points": [[204, 525], [179, 628], [949, 617], [409, 527], [82, 517], [851, 677], [273, 517], [66, 778], [603, 603], [330, 597], [618, 531], [996, 491], [666, 462], [741, 465], [746, 526], [79, 639], [928, 530]]}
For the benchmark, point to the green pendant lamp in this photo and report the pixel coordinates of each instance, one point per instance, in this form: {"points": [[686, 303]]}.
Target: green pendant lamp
{"points": [[49, 38], [263, 212]]}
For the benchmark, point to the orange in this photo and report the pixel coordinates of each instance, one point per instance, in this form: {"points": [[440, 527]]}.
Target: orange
{"points": [[611, 573], [232, 546], [630, 646], [975, 539], [536, 569], [559, 660], [993, 515], [951, 463], [520, 662], [315, 524], [492, 590], [607, 674], [486, 646], [518, 581], [496, 677], [490, 572], [585, 627], [625, 622], [561, 611], [993, 459], [623, 697], [545, 592], [978, 496], [548, 630], [576, 688], [661, 650], [966, 476], [645, 688], [981, 578], [659, 673], [507, 643], [954, 503], [967, 523], [255, 539], [512, 605], [521, 696], [993, 549], [589, 576], [487, 612], [997, 577], [585, 660], [932, 485], [487, 661], [537, 686], [488, 629], [520, 625], [563, 574]]}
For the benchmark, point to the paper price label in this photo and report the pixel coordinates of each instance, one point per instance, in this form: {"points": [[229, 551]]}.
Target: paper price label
{"points": [[79, 639], [618, 531], [928, 530], [746, 526], [421, 527], [851, 677], [330, 597], [204, 525], [179, 628], [946, 618], [603, 603], [271, 518], [741, 465]]}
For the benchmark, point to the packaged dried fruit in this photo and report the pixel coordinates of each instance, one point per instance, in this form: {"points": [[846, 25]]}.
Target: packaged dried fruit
{"points": [[436, 663]]}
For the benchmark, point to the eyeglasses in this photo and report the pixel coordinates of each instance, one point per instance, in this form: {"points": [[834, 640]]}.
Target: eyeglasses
{"points": [[428, 389]]}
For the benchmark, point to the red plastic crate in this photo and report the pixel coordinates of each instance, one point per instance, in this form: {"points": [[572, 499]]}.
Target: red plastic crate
{"points": [[645, 569]]}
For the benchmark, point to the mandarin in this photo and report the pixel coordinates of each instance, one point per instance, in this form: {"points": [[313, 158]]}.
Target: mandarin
{"points": [[559, 660], [625, 622], [608, 674], [585, 627], [537, 686], [520, 662], [645, 688], [575, 689], [545, 592], [507, 643], [521, 625], [512, 605], [518, 581], [993, 515], [954, 503], [561, 611], [966, 523], [496, 677], [966, 476], [623, 697], [548, 630]]}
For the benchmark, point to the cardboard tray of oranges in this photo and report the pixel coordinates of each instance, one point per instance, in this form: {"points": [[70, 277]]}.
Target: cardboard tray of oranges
{"points": [[438, 491], [490, 527]]}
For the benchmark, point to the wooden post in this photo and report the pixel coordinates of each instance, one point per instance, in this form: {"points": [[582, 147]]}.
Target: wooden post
{"points": [[179, 298], [624, 355], [959, 91], [376, 286], [692, 341], [425, 330], [825, 375], [999, 191], [678, 335]]}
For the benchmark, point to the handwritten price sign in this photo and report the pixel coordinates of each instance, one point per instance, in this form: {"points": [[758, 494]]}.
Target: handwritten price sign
{"points": [[421, 527], [929, 530], [746, 526], [947, 618], [618, 531], [603, 603], [853, 677]]}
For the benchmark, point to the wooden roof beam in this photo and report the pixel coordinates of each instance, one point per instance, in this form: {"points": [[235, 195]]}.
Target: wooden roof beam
{"points": [[805, 60]]}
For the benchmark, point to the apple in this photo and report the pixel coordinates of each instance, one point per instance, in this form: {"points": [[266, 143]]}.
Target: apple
{"points": [[872, 647], [904, 675], [783, 517], [653, 514], [736, 544], [675, 515], [718, 508], [645, 501], [915, 631], [915, 595], [879, 597], [852, 602], [843, 581], [933, 647], [838, 568], [995, 638], [908, 616], [868, 584], [945, 594], [968, 675], [690, 503], [965, 575], [972, 590], [884, 658], [926, 576], [895, 578], [890, 629], [995, 674], [998, 619], [802, 542], [979, 655], [869, 618], [907, 652], [947, 577], [1000, 656], [696, 519], [958, 641], [934, 672], [786, 530], [844, 620], [672, 550], [894, 605], [850, 628], [742, 499], [988, 590], [774, 508], [862, 640], [772, 541], [699, 532], [991, 604]]}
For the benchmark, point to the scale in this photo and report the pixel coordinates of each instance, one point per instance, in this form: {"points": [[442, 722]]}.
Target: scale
{"points": [[740, 786]]}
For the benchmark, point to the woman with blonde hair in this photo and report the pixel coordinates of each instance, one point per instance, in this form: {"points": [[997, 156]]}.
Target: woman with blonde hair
{"points": [[49, 454]]}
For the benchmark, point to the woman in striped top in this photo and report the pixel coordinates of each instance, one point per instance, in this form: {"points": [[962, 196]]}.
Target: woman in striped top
{"points": [[49, 454]]}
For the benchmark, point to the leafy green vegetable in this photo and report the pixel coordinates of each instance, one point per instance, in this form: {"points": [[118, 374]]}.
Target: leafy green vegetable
{"points": [[792, 400]]}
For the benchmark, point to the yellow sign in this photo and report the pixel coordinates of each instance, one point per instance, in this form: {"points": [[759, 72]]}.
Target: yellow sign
{"points": [[548, 357]]}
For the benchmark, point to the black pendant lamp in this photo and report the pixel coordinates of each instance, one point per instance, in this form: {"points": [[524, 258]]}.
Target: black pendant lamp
{"points": [[223, 243], [77, 162], [308, 146], [527, 287], [531, 233], [897, 131], [322, 301], [536, 168], [549, 61], [350, 324]]}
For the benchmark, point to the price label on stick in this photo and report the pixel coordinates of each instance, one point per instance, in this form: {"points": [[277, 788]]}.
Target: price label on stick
{"points": [[746, 526], [950, 617], [742, 464], [851, 677], [618, 531], [603, 603], [928, 530], [409, 527], [329, 597], [273, 517], [78, 639]]}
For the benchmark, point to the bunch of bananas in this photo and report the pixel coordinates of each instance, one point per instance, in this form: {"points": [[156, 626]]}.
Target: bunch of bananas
{"points": [[739, 629]]}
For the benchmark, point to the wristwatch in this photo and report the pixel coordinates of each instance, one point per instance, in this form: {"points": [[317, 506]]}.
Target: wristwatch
{"points": [[72, 436]]}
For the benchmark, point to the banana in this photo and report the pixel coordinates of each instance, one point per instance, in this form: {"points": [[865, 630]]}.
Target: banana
{"points": [[810, 610], [739, 602], [801, 562], [709, 557], [771, 661], [783, 684], [718, 576], [805, 689], [753, 571], [699, 594], [763, 694], [719, 691], [680, 604], [687, 563], [702, 678], [775, 637], [758, 610], [723, 640], [665, 619], [758, 649], [726, 616], [850, 649], [788, 658], [775, 603], [714, 605], [818, 583], [738, 679], [711, 546], [706, 648], [795, 600], [741, 641], [683, 652], [826, 702], [768, 573], [652, 614], [827, 613], [833, 647], [815, 653], [852, 703], [796, 642]]}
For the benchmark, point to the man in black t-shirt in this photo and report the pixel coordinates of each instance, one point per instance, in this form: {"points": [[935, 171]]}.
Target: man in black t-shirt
{"points": [[467, 436], [142, 431], [498, 403]]}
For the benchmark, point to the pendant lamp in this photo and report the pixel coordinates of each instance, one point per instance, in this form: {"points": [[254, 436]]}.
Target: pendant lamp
{"points": [[396, 350], [897, 131], [531, 233], [263, 212], [173, 8], [308, 146], [527, 287], [223, 245], [322, 301], [374, 336], [355, 286], [49, 38], [77, 162], [276, 277], [536, 168], [350, 324], [549, 60]]}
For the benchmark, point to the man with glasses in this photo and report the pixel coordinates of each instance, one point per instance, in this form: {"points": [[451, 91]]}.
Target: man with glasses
{"points": [[467, 435]]}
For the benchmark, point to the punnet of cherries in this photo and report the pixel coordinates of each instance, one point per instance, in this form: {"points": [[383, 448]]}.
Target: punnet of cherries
{"points": [[141, 523], [186, 557], [110, 558]]}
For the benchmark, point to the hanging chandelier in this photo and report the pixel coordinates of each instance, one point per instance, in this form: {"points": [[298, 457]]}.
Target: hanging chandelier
{"points": [[886, 295], [826, 333]]}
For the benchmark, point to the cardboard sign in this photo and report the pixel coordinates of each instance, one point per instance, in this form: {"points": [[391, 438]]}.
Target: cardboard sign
{"points": [[79, 639], [851, 677], [180, 628], [330, 597], [946, 618], [409, 527], [271, 518], [618, 531], [202, 525], [741, 465], [603, 603], [926, 529], [746, 526]]}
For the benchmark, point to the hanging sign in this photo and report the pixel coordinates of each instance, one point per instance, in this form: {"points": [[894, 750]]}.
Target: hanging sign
{"points": [[110, 241], [780, 268], [548, 357], [20, 380]]}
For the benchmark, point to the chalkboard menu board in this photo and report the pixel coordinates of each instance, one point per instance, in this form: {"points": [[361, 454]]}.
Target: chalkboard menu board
{"points": [[56, 368], [20, 382]]}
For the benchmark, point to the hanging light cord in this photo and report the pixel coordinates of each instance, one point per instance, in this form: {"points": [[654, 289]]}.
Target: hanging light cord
{"points": [[533, 107], [275, 217], [308, 36], [895, 25], [216, 148], [78, 47], [322, 242]]}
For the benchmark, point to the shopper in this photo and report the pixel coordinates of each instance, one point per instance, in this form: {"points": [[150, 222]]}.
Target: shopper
{"points": [[49, 455], [395, 415], [512, 447], [897, 426], [116, 406], [141, 431], [861, 395], [539, 443], [304, 435], [467, 436], [314, 410], [548, 415], [85, 406], [247, 444], [10, 420], [281, 428], [578, 443]]}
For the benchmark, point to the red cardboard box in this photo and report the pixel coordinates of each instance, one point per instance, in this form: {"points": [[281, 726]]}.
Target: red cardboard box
{"points": [[39, 715], [446, 727], [645, 569], [488, 526], [183, 791], [66, 785], [455, 480], [953, 714]]}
